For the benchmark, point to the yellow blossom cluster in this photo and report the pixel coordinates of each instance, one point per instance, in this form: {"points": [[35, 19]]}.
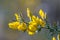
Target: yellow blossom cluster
{"points": [[17, 25], [13, 25], [33, 24], [32, 27], [35, 21]]}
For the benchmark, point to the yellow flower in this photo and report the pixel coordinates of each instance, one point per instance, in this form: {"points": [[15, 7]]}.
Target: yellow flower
{"points": [[13, 25], [32, 28], [29, 13], [53, 38], [33, 23], [22, 27], [35, 19], [38, 21], [17, 17], [42, 14], [42, 23], [31, 33]]}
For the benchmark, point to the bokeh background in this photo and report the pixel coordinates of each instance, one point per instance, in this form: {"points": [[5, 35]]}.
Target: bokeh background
{"points": [[9, 7]]}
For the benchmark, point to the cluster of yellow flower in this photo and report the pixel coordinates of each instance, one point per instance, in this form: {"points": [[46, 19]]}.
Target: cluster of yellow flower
{"points": [[35, 21], [32, 26], [17, 25]]}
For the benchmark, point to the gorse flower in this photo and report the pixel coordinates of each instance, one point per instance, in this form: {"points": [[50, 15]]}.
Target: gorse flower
{"points": [[42, 14], [22, 27], [32, 27], [33, 23], [17, 25], [42, 23], [29, 13], [35, 19], [38, 21], [14, 25], [30, 32], [17, 17]]}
